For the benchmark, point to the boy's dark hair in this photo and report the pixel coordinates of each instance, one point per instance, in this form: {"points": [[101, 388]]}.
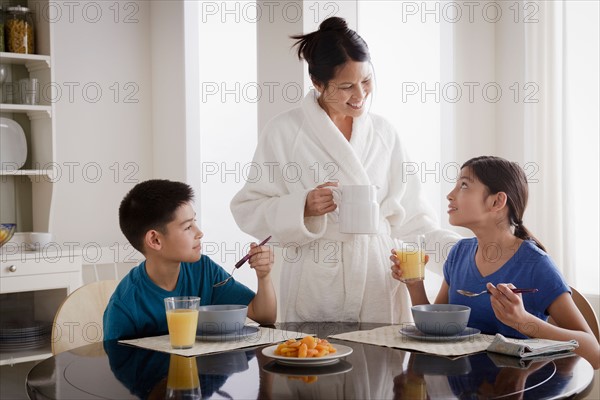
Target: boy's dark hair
{"points": [[151, 205]]}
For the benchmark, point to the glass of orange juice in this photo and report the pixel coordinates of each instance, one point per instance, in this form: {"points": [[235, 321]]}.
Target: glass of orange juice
{"points": [[411, 255], [182, 320], [183, 381]]}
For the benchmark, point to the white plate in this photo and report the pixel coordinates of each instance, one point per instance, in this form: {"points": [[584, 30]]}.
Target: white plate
{"points": [[226, 337], [411, 331], [13, 146], [342, 351]]}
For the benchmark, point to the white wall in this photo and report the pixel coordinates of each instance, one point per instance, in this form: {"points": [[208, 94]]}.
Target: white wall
{"points": [[277, 64], [404, 70], [228, 125], [139, 128], [104, 125], [169, 136]]}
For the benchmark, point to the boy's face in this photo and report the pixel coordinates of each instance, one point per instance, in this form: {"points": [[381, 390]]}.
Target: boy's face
{"points": [[181, 241]]}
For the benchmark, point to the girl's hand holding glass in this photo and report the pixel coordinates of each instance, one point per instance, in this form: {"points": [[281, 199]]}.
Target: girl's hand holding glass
{"points": [[397, 272], [411, 259]]}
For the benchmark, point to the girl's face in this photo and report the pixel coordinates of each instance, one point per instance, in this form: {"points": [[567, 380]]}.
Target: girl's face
{"points": [[469, 202], [347, 92]]}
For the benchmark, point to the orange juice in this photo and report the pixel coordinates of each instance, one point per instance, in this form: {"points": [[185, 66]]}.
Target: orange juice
{"points": [[183, 373], [182, 325], [415, 389], [412, 263]]}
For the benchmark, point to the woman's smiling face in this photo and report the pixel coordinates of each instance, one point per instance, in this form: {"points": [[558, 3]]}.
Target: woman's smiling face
{"points": [[347, 92]]}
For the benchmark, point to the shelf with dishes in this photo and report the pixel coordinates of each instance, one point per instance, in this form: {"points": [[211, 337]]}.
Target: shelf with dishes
{"points": [[33, 284], [27, 171], [27, 315], [21, 356]]}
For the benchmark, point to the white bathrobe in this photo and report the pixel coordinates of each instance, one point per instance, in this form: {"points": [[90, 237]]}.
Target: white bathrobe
{"points": [[327, 275]]}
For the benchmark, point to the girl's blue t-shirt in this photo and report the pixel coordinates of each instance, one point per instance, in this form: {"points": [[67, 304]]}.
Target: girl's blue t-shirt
{"points": [[529, 267], [137, 309]]}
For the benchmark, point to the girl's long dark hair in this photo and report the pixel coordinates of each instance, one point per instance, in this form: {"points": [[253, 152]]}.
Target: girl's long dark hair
{"points": [[500, 175], [330, 47]]}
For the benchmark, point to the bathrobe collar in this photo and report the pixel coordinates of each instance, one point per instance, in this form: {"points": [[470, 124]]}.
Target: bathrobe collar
{"points": [[347, 154]]}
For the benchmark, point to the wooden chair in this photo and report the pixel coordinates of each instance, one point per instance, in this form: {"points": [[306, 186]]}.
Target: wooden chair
{"points": [[586, 310], [78, 320]]}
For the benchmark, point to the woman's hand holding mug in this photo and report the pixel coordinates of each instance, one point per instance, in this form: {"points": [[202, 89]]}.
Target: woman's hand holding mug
{"points": [[320, 200]]}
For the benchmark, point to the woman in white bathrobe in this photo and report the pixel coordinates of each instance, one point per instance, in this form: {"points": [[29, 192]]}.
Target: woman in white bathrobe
{"points": [[327, 275]]}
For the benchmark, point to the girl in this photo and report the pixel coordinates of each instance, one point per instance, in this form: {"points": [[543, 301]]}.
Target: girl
{"points": [[489, 198]]}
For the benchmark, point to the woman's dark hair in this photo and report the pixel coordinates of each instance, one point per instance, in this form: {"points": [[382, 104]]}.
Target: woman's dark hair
{"points": [[330, 47], [500, 175], [151, 205]]}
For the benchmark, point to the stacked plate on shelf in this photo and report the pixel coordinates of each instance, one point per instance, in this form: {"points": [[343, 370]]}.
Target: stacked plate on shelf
{"points": [[13, 145], [24, 336]]}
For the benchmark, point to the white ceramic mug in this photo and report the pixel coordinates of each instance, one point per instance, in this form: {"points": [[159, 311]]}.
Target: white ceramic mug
{"points": [[358, 208]]}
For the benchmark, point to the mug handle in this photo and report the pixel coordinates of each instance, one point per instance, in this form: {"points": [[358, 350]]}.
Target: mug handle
{"points": [[336, 191]]}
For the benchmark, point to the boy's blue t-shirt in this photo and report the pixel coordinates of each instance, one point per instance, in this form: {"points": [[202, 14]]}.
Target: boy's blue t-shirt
{"points": [[529, 267], [137, 309]]}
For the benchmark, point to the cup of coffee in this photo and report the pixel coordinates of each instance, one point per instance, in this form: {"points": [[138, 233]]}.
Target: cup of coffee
{"points": [[182, 320], [411, 254], [358, 208]]}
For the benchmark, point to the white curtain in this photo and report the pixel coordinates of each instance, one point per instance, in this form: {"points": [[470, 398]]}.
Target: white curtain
{"points": [[523, 54], [544, 141], [560, 135]]}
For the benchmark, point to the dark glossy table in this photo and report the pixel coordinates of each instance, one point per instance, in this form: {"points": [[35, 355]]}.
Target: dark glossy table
{"points": [[113, 371]]}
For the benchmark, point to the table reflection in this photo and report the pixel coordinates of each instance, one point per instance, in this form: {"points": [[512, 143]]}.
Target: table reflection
{"points": [[183, 381], [436, 377], [111, 370], [364, 374], [153, 375]]}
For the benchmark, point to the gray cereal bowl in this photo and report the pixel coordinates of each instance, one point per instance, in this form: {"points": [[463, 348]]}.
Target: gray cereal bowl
{"points": [[441, 319], [222, 318]]}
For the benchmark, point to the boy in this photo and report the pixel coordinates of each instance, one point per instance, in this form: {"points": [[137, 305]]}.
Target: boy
{"points": [[157, 218]]}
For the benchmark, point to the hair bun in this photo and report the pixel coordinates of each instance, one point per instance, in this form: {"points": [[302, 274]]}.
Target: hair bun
{"points": [[333, 24]]}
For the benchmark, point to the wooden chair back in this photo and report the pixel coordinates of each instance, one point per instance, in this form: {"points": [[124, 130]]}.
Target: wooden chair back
{"points": [[586, 310], [78, 321]]}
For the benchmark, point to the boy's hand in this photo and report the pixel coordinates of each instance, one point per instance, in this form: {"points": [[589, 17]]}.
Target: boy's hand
{"points": [[261, 259]]}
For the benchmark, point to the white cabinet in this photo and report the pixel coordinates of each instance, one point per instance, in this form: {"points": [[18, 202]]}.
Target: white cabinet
{"points": [[33, 283]]}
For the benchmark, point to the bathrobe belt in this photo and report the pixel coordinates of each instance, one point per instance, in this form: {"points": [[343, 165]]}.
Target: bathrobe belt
{"points": [[332, 232]]}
